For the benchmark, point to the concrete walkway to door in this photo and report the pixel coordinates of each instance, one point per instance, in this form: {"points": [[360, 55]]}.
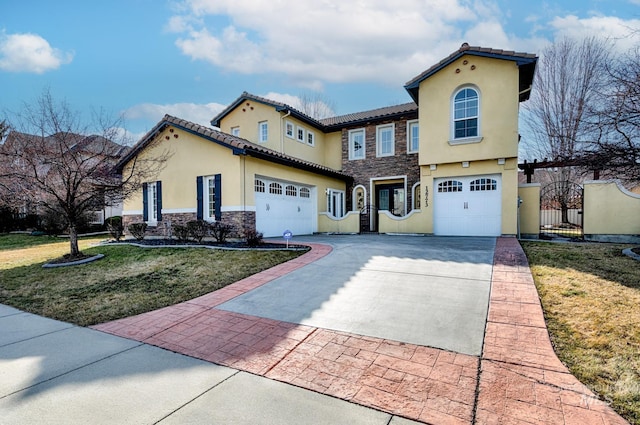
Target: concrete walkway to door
{"points": [[393, 323]]}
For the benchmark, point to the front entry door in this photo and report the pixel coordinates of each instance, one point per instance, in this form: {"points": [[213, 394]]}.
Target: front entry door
{"points": [[391, 197]]}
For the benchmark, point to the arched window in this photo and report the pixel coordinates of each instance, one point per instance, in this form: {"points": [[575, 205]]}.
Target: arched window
{"points": [[291, 190], [416, 196], [275, 188], [465, 113], [483, 184], [304, 192], [260, 186], [450, 186]]}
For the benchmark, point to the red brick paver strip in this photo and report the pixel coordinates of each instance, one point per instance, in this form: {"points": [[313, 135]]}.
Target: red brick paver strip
{"points": [[521, 380]]}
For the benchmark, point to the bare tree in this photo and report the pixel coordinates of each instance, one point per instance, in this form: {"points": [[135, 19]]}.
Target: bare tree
{"points": [[569, 79], [55, 162], [617, 122], [315, 105]]}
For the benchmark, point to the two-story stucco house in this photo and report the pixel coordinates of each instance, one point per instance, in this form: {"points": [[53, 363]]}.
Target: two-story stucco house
{"points": [[445, 163]]}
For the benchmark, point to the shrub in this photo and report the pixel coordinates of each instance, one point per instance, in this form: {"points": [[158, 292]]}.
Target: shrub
{"points": [[52, 223], [221, 231], [252, 237], [115, 227], [181, 232], [138, 230], [198, 229]]}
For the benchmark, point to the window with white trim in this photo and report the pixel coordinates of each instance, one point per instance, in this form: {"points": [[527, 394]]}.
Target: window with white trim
{"points": [[413, 136], [209, 198], [263, 131], [311, 138], [152, 202], [356, 144], [288, 129], [305, 192], [465, 113], [335, 202], [385, 140], [235, 131], [259, 186], [300, 134]]}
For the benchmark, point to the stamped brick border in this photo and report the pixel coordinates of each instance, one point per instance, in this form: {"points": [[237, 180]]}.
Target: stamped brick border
{"points": [[521, 379]]}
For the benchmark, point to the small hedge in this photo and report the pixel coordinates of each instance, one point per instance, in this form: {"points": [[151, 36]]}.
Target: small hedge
{"points": [[138, 230]]}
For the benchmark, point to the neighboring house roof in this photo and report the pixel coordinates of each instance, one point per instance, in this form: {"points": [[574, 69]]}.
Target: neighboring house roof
{"points": [[73, 142], [238, 145], [335, 123], [279, 107], [526, 62]]}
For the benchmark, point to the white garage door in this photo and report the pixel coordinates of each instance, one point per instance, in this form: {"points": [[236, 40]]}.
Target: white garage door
{"points": [[468, 206], [282, 205]]}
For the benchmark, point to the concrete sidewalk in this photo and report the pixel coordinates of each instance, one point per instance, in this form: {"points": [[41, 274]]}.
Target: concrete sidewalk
{"points": [[56, 373], [341, 372]]}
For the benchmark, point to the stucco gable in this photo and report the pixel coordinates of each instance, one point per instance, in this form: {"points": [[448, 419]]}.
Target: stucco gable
{"points": [[278, 106], [526, 63]]}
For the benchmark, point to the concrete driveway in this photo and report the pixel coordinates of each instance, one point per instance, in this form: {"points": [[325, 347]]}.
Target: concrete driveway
{"points": [[428, 291]]}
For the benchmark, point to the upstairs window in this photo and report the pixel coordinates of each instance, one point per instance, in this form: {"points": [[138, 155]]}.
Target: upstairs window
{"points": [[300, 135], [235, 131], [356, 144], [465, 113], [311, 138], [385, 140], [263, 131], [413, 137], [288, 129]]}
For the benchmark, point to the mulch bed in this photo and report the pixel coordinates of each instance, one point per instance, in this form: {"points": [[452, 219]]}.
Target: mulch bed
{"points": [[227, 245]]}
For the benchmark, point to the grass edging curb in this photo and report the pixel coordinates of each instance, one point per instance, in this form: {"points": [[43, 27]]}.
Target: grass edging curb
{"points": [[629, 252], [224, 248], [73, 263]]}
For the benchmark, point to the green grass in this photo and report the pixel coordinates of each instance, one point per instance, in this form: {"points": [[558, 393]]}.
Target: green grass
{"points": [[128, 281], [590, 294], [21, 240]]}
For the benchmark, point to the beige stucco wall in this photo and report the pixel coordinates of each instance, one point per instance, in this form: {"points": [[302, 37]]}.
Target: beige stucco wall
{"points": [[509, 178], [190, 156], [250, 113], [193, 156], [497, 84], [414, 222], [333, 150], [350, 223], [610, 209], [529, 209]]}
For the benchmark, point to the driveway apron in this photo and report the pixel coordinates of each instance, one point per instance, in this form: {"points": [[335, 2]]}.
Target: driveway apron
{"points": [[428, 291]]}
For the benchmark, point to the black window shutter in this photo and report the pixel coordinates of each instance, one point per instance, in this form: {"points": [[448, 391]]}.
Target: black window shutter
{"points": [[145, 203], [218, 189], [199, 195], [159, 199]]}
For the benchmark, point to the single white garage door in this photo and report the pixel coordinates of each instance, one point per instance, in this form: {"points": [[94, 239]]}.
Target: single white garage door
{"points": [[282, 205], [468, 206]]}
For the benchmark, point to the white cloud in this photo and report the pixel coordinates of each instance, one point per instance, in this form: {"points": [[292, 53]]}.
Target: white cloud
{"points": [[194, 112], [623, 32], [30, 53], [314, 42]]}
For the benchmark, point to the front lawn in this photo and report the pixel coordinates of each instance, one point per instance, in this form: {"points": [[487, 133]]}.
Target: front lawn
{"points": [[128, 281], [591, 299]]}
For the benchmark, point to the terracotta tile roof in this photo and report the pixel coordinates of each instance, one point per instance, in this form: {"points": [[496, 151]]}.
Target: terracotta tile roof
{"points": [[373, 114], [238, 145], [279, 106], [525, 61]]}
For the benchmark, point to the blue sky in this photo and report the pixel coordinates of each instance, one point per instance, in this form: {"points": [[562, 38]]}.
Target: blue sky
{"points": [[145, 58]]}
